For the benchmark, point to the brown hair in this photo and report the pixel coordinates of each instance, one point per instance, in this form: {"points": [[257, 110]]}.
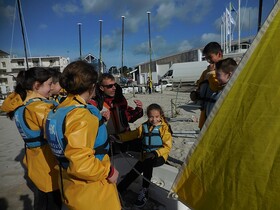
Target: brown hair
{"points": [[226, 65], [78, 77]]}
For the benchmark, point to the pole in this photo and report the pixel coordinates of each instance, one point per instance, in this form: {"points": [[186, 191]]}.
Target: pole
{"points": [[100, 48], [22, 32], [239, 32], [260, 15], [122, 42], [80, 39], [150, 46]]}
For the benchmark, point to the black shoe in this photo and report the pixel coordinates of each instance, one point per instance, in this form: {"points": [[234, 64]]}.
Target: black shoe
{"points": [[142, 198]]}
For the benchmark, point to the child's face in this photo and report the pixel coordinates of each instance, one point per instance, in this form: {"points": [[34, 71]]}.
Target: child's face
{"points": [[222, 77], [213, 57], [154, 117], [55, 88], [44, 89]]}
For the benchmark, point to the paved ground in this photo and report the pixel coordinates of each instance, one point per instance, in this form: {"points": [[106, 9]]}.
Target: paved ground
{"points": [[14, 191]]}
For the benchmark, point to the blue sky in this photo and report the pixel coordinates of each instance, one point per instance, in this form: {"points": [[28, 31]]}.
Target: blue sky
{"points": [[176, 25]]}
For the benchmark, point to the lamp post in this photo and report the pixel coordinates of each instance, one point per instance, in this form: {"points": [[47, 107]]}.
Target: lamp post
{"points": [[150, 46], [122, 42], [80, 39], [100, 48]]}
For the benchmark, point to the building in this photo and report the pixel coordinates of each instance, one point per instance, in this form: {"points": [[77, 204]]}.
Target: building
{"points": [[158, 67], [11, 66]]}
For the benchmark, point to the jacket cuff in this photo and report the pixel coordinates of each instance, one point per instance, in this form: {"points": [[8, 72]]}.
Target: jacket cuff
{"points": [[155, 153]]}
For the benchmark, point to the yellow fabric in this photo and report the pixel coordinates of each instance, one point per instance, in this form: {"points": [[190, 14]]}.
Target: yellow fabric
{"points": [[164, 133], [235, 163], [12, 102], [84, 182], [39, 161]]}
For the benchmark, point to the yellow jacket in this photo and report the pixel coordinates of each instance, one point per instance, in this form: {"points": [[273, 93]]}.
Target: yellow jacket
{"points": [[165, 135], [85, 184], [212, 79], [40, 161]]}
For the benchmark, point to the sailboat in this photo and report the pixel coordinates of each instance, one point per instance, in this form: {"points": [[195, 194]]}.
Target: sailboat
{"points": [[234, 164]]}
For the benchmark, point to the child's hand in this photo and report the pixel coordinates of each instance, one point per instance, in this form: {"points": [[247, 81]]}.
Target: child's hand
{"points": [[113, 176]]}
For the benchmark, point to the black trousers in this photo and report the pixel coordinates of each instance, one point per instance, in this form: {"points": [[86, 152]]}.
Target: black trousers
{"points": [[145, 167], [47, 201]]}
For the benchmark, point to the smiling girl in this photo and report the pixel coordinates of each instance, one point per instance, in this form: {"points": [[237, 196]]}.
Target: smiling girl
{"points": [[28, 106], [156, 136]]}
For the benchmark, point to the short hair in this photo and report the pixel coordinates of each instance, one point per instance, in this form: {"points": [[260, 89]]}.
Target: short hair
{"points": [[78, 77], [212, 47], [105, 76], [226, 65]]}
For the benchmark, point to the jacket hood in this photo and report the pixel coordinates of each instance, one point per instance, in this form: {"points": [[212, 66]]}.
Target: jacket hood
{"points": [[12, 102]]}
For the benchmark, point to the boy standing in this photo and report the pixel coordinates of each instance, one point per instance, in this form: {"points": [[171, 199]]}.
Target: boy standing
{"points": [[208, 83]]}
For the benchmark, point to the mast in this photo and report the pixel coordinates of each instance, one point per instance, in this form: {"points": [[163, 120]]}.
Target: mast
{"points": [[100, 48], [260, 15], [122, 42], [80, 39], [150, 46], [22, 32], [239, 32]]}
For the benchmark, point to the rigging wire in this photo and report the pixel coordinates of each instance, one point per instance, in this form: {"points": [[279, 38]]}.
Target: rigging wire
{"points": [[13, 28]]}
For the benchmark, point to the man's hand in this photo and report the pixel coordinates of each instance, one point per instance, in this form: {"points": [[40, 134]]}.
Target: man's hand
{"points": [[106, 114], [138, 103]]}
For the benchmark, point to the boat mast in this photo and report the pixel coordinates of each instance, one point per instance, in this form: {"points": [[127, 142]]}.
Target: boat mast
{"points": [[100, 48], [239, 47], [150, 46], [22, 32], [80, 39], [260, 15], [122, 42]]}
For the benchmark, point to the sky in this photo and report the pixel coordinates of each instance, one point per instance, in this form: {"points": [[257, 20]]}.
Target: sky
{"points": [[51, 27]]}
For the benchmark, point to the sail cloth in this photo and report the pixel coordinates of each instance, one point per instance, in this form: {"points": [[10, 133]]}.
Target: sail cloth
{"points": [[235, 162]]}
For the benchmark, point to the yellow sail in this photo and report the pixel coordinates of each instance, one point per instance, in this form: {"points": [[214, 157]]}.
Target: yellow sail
{"points": [[235, 163]]}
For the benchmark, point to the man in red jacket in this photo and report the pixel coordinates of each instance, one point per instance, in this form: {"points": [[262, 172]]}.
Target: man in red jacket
{"points": [[110, 98]]}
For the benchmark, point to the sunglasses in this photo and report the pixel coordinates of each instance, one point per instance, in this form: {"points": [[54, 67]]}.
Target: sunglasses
{"points": [[110, 86]]}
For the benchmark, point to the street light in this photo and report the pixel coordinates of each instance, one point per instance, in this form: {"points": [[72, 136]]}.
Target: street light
{"points": [[100, 48], [80, 39]]}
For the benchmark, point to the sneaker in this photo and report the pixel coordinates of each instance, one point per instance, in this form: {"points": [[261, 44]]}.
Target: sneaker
{"points": [[142, 198]]}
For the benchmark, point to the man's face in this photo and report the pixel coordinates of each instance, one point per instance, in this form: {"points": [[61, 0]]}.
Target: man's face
{"points": [[108, 86]]}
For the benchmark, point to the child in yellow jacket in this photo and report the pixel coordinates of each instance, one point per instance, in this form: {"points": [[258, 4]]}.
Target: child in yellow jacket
{"points": [[156, 136]]}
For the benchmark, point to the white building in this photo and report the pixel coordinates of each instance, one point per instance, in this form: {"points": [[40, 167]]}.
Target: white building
{"points": [[11, 66]]}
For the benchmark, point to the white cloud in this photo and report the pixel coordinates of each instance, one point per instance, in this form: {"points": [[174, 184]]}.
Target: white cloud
{"points": [[43, 26], [210, 37], [7, 12], [249, 18], [184, 46], [61, 9], [96, 5]]}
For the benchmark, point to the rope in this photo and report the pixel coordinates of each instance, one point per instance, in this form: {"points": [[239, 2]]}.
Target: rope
{"points": [[13, 29], [169, 195]]}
